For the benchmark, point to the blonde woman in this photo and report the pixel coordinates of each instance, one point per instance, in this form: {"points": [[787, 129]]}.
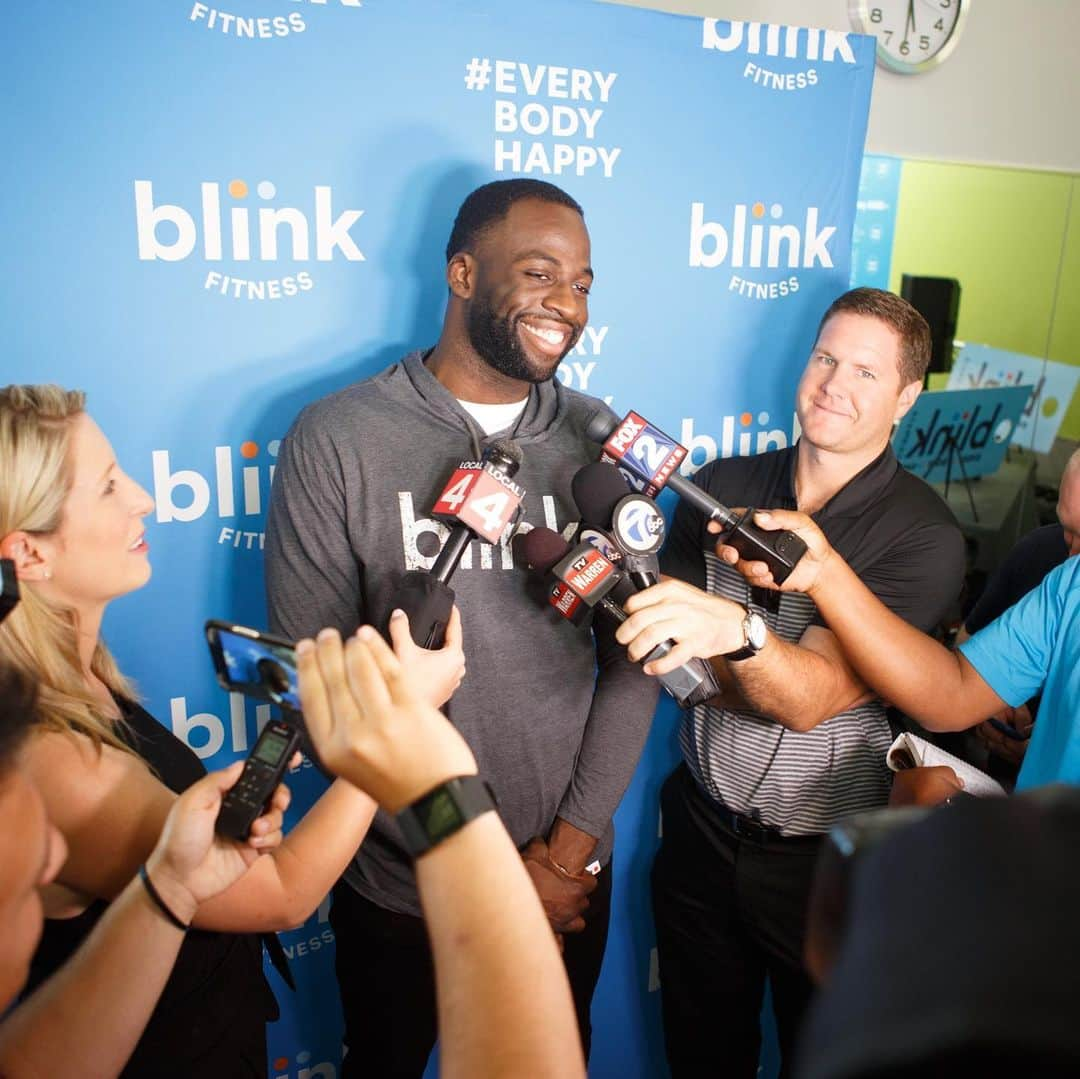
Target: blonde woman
{"points": [[73, 522]]}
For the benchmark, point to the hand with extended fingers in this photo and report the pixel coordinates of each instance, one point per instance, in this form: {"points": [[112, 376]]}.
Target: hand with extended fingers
{"points": [[435, 672], [370, 724]]}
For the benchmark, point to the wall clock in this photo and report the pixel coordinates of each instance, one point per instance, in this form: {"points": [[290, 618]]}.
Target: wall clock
{"points": [[912, 35]]}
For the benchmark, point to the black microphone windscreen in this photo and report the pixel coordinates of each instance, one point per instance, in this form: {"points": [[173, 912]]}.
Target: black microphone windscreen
{"points": [[506, 448], [602, 422], [539, 548], [597, 489]]}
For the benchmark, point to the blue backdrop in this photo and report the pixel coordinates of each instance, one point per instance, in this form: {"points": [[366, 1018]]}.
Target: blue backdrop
{"points": [[875, 220], [213, 217]]}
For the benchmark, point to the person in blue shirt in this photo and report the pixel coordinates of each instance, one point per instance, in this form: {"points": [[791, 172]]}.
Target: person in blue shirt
{"points": [[1034, 644], [1023, 570]]}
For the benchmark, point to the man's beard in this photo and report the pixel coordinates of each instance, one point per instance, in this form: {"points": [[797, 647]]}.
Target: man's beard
{"points": [[497, 343]]}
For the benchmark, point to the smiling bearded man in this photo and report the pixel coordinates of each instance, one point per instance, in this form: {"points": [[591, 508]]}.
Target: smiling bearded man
{"points": [[355, 481]]}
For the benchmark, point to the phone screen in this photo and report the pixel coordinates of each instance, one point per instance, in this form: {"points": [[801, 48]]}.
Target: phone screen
{"points": [[256, 667]]}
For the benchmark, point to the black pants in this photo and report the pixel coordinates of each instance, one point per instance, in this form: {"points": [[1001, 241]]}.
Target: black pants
{"points": [[387, 981], [729, 911]]}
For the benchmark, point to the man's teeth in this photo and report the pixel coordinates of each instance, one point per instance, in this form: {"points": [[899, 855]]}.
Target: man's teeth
{"points": [[552, 337]]}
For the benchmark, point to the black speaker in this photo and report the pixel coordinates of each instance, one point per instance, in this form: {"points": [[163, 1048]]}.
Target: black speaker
{"points": [[937, 299]]}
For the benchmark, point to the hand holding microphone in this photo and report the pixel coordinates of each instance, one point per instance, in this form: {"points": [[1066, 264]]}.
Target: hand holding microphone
{"points": [[806, 576], [369, 724], [437, 672], [650, 459], [637, 530], [585, 580], [674, 611]]}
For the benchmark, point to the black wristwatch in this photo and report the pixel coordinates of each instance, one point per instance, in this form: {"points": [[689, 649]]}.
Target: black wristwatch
{"points": [[754, 632], [438, 814]]}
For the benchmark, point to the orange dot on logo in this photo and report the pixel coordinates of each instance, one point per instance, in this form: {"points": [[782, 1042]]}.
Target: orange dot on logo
{"points": [[281, 1063], [238, 189], [746, 419], [758, 209], [249, 449]]}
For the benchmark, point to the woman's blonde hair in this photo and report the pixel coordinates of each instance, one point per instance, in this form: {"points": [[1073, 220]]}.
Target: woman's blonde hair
{"points": [[40, 637]]}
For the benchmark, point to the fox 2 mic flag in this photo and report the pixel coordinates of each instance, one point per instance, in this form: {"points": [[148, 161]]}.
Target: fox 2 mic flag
{"points": [[227, 209]]}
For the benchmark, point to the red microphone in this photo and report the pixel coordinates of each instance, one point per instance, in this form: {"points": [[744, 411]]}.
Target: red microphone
{"points": [[584, 580], [480, 500]]}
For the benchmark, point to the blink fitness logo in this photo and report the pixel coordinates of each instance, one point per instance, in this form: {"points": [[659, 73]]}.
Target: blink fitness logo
{"points": [[170, 232], [258, 28], [744, 434], [746, 241], [778, 43], [964, 432], [187, 495]]}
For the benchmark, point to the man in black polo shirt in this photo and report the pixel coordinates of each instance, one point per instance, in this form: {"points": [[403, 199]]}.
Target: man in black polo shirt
{"points": [[797, 741]]}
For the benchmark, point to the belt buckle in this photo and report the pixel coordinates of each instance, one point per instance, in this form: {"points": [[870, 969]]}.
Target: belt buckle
{"points": [[748, 828]]}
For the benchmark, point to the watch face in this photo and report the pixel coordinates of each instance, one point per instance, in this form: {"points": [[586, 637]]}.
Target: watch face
{"points": [[756, 631], [440, 814], [912, 35]]}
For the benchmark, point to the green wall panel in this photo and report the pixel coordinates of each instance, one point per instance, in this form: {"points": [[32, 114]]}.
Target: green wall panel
{"points": [[999, 233], [1065, 338]]}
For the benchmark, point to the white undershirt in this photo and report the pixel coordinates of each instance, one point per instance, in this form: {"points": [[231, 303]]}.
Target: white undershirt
{"points": [[492, 418]]}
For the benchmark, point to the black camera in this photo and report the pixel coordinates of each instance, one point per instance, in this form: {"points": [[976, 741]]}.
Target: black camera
{"points": [[830, 896]]}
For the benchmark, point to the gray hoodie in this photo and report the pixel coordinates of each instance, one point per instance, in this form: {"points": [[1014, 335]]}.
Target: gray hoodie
{"points": [[556, 724]]}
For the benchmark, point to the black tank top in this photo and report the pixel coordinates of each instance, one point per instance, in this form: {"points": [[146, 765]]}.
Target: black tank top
{"points": [[211, 1019]]}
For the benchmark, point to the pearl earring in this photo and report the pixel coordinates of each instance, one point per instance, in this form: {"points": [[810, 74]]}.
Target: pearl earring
{"points": [[48, 574]]}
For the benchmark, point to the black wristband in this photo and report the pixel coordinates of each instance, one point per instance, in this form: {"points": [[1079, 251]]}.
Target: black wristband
{"points": [[160, 903], [441, 812]]}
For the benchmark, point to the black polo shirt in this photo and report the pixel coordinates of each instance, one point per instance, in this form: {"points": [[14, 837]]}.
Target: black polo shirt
{"points": [[903, 542]]}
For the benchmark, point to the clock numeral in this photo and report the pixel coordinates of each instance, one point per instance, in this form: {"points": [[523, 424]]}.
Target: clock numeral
{"points": [[946, 3], [875, 15], [904, 48], [924, 43], [888, 36], [940, 24]]}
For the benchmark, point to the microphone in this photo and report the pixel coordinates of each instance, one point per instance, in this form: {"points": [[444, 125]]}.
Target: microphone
{"points": [[649, 460], [631, 524], [584, 580], [480, 500]]}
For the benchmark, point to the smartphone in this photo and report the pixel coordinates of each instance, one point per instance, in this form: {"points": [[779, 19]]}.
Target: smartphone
{"points": [[248, 798], [256, 664]]}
